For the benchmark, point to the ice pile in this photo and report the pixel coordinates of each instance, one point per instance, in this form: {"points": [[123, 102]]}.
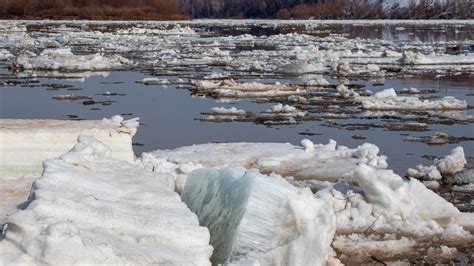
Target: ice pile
{"points": [[89, 208], [443, 169], [327, 162], [389, 100], [387, 217], [64, 59], [258, 219]]}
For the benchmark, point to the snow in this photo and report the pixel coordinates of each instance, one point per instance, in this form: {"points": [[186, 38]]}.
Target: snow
{"points": [[88, 208], [325, 162], [253, 217], [64, 59], [389, 100]]}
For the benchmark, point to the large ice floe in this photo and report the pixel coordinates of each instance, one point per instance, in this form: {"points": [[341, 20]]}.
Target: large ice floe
{"points": [[327, 162], [261, 219], [88, 208], [389, 100], [25, 144]]}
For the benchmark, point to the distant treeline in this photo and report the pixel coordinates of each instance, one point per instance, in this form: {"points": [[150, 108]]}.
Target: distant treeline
{"points": [[90, 9], [329, 9], [282, 9]]}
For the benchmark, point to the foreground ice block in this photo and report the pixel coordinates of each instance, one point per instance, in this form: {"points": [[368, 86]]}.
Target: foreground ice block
{"points": [[256, 218], [25, 144], [90, 209]]}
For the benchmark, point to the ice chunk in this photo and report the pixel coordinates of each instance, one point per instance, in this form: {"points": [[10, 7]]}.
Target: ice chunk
{"points": [[88, 208], [256, 217], [389, 193], [452, 163]]}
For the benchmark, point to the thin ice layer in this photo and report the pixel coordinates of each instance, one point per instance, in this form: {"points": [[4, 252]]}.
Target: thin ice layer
{"points": [[88, 208], [253, 217]]}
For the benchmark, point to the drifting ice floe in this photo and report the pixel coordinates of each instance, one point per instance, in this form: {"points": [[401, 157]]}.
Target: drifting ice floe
{"points": [[389, 100], [88, 208], [233, 89], [64, 59], [260, 219]]}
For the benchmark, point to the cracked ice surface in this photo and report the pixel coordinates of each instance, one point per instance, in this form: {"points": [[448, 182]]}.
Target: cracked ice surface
{"points": [[89, 208]]}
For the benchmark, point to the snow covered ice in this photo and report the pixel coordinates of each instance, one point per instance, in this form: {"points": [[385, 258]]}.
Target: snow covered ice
{"points": [[25, 144], [88, 208]]}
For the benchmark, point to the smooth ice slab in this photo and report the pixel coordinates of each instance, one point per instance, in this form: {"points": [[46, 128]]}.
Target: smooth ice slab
{"points": [[256, 218], [90, 209]]}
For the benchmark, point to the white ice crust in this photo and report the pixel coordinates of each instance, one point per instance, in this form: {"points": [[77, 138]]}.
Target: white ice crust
{"points": [[91, 209]]}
